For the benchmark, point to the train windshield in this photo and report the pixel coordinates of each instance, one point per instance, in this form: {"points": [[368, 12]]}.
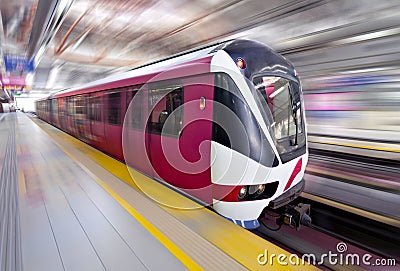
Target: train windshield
{"points": [[280, 103]]}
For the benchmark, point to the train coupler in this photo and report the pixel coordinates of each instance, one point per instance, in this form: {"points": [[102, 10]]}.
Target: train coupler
{"points": [[295, 216]]}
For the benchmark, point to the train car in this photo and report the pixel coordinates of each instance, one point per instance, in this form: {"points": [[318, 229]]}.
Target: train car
{"points": [[223, 124]]}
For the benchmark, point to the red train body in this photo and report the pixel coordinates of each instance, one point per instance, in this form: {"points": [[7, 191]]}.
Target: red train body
{"points": [[208, 122]]}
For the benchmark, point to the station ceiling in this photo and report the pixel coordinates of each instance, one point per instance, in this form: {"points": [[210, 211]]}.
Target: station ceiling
{"points": [[76, 41]]}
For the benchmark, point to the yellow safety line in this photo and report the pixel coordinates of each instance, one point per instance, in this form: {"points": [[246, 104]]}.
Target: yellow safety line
{"points": [[354, 210], [21, 183], [174, 249], [356, 146]]}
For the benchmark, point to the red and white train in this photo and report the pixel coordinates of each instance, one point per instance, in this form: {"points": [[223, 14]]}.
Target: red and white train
{"points": [[223, 123]]}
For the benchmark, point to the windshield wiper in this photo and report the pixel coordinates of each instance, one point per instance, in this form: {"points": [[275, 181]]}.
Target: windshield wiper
{"points": [[297, 131], [296, 123]]}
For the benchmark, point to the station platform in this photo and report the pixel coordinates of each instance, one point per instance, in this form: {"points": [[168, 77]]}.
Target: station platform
{"points": [[66, 206]]}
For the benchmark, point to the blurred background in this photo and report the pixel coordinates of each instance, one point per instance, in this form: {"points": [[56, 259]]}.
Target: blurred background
{"points": [[346, 52]]}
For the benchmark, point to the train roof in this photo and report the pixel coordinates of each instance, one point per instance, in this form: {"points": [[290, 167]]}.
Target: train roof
{"points": [[152, 67], [263, 59]]}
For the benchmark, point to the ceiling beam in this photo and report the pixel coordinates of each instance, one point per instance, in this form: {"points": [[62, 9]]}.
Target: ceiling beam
{"points": [[49, 17]]}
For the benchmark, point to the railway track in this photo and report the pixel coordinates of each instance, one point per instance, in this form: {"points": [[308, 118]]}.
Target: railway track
{"points": [[359, 229], [332, 227]]}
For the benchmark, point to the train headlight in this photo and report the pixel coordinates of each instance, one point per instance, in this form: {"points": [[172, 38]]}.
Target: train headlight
{"points": [[242, 193], [257, 189], [260, 189]]}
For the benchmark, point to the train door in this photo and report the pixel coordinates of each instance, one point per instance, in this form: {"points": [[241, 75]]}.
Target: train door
{"points": [[62, 110], [179, 130], [70, 115], [195, 138], [115, 101], [48, 110], [54, 112], [96, 118], [85, 117], [135, 138], [81, 121], [163, 101]]}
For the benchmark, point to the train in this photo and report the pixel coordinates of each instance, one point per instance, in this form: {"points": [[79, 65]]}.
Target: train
{"points": [[224, 124]]}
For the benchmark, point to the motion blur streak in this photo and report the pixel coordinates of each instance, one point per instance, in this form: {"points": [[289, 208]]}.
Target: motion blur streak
{"points": [[351, 83]]}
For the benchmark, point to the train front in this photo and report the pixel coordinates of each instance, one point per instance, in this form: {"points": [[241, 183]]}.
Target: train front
{"points": [[258, 149]]}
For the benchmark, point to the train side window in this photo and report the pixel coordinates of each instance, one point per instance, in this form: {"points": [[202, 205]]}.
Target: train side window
{"points": [[114, 108], [95, 109], [80, 105], [48, 105], [166, 117], [54, 108], [61, 107], [129, 96], [70, 105], [136, 110]]}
